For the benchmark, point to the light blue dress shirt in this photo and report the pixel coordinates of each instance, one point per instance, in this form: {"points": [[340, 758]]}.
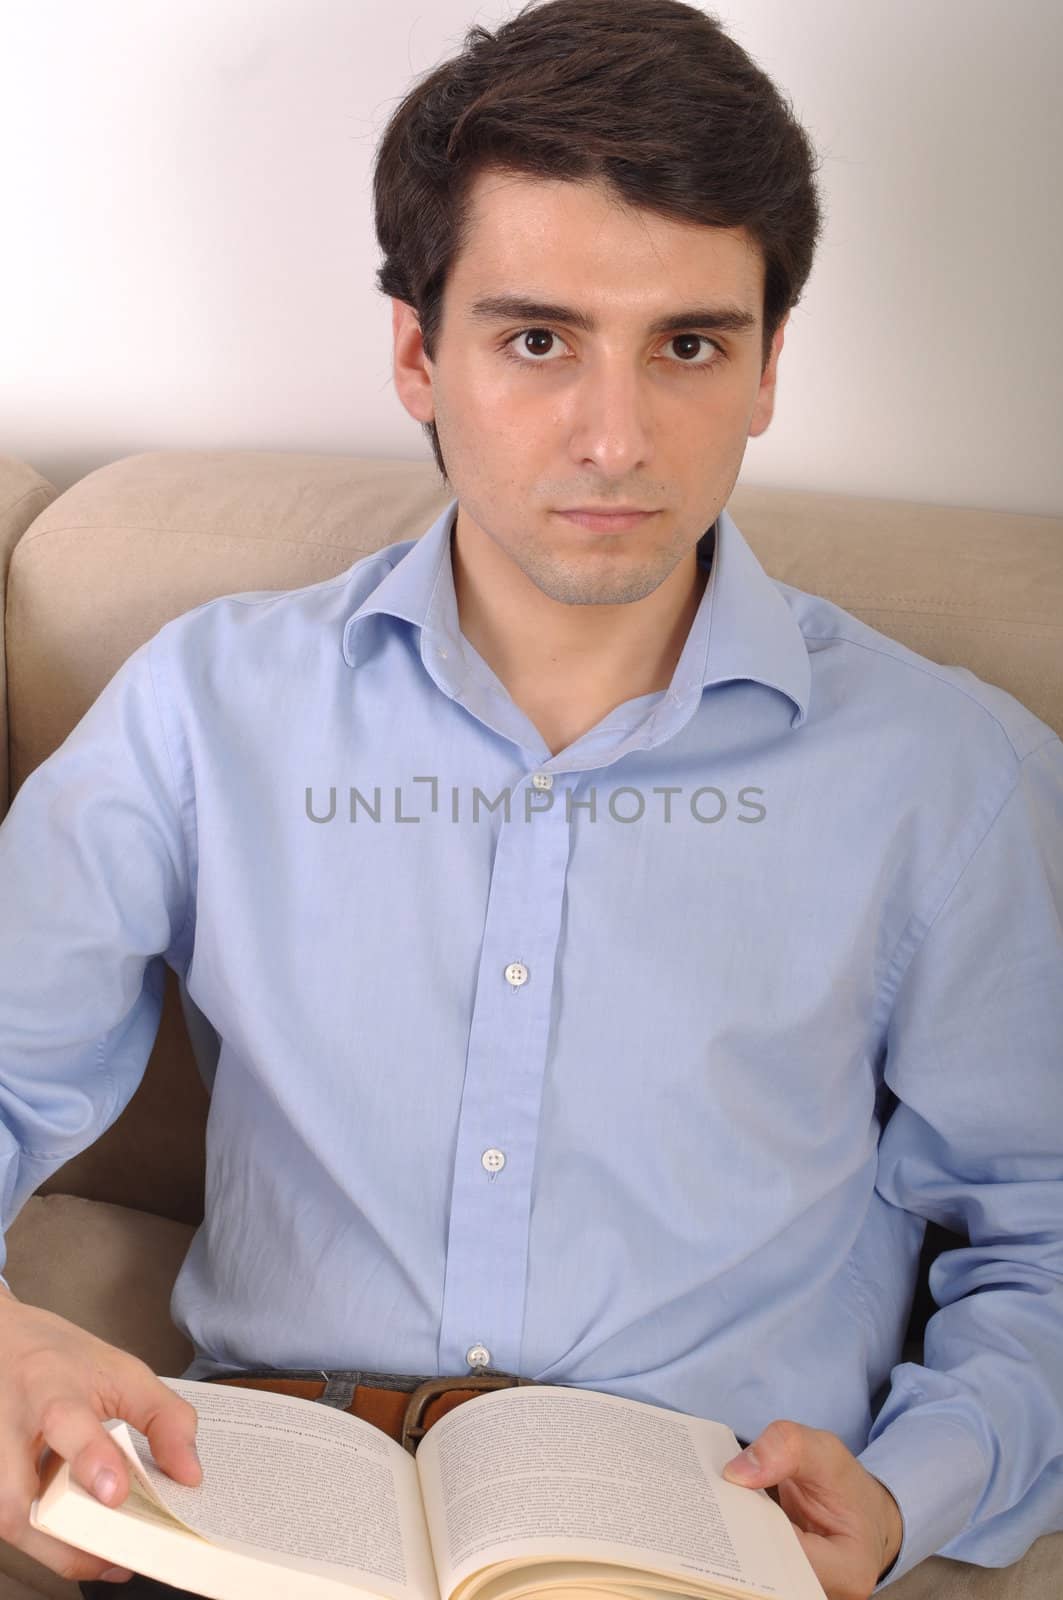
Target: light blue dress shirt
{"points": [[637, 1067]]}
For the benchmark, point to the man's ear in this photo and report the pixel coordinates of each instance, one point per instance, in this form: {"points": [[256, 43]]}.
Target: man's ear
{"points": [[411, 368], [764, 406]]}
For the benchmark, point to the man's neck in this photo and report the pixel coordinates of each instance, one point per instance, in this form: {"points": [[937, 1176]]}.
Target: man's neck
{"points": [[579, 656]]}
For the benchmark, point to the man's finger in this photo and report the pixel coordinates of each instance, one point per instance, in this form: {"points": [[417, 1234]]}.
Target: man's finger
{"points": [[775, 1454]]}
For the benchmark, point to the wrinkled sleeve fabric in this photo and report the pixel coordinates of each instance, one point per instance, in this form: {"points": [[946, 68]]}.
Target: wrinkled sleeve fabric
{"points": [[94, 897], [971, 1443]]}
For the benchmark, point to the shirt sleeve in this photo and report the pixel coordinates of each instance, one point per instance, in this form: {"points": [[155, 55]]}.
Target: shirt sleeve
{"points": [[971, 1443], [94, 893]]}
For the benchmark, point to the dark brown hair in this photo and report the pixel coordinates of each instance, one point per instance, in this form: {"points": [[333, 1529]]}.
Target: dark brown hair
{"points": [[651, 96]]}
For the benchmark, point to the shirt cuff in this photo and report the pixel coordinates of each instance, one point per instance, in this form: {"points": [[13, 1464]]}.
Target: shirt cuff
{"points": [[933, 1467]]}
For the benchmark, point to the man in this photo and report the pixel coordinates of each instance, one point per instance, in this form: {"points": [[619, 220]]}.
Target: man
{"points": [[649, 1081]]}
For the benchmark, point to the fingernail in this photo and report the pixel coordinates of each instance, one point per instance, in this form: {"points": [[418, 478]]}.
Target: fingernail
{"points": [[105, 1484], [116, 1575], [743, 1466]]}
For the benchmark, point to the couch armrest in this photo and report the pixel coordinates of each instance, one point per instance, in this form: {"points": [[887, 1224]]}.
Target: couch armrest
{"points": [[23, 496]]}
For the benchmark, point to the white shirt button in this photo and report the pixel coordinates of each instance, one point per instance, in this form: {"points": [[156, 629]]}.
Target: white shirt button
{"points": [[516, 974], [543, 780], [477, 1355], [493, 1160]]}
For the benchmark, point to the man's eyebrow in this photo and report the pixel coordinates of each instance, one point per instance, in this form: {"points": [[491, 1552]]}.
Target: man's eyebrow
{"points": [[517, 308]]}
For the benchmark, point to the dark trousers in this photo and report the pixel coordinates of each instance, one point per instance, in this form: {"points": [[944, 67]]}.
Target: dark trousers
{"points": [[137, 1588]]}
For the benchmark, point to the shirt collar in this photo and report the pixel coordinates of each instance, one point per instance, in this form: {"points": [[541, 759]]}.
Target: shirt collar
{"points": [[743, 629]]}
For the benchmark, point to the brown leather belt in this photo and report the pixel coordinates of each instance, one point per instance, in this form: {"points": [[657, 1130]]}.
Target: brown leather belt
{"points": [[405, 1414]]}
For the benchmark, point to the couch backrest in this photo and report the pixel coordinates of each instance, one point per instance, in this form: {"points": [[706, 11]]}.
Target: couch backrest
{"points": [[143, 539]]}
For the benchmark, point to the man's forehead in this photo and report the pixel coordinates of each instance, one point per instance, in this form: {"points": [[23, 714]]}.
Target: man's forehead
{"points": [[517, 249]]}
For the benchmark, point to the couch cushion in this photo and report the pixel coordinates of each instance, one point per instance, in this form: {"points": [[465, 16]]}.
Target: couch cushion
{"points": [[1038, 1576], [147, 538], [23, 1579], [108, 1268]]}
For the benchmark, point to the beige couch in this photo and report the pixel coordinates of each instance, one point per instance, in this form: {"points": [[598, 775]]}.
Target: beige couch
{"points": [[91, 573]]}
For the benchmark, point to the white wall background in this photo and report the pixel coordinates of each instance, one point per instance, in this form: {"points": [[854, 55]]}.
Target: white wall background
{"points": [[188, 255]]}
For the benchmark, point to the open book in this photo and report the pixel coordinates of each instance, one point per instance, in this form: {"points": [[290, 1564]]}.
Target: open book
{"points": [[537, 1489]]}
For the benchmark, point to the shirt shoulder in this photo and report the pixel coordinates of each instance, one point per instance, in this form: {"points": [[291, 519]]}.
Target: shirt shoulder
{"points": [[262, 628], [897, 687]]}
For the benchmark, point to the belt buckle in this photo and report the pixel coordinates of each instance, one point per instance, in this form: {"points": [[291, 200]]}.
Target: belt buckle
{"points": [[413, 1426]]}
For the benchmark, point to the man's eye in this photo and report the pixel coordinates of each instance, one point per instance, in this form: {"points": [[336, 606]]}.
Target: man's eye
{"points": [[528, 360]]}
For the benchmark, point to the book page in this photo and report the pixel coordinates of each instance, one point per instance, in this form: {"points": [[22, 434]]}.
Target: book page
{"points": [[313, 1488], [551, 1473]]}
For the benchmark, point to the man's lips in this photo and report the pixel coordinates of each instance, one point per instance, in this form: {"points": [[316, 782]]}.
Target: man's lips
{"points": [[607, 522]]}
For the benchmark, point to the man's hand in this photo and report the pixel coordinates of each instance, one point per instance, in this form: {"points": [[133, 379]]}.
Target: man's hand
{"points": [[849, 1525], [58, 1385]]}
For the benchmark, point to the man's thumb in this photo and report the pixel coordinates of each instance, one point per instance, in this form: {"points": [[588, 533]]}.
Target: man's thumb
{"points": [[744, 1468], [172, 1433], [194, 1454], [189, 1465]]}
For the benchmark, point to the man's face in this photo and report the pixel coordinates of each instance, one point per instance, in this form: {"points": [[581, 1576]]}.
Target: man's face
{"points": [[532, 423]]}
